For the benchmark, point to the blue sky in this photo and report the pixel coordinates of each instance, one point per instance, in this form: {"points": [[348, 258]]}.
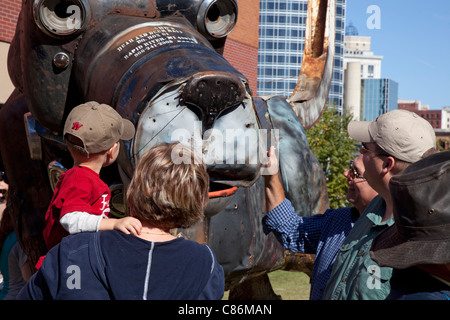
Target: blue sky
{"points": [[414, 40]]}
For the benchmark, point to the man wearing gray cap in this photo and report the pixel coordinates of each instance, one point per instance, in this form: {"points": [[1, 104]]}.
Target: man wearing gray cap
{"points": [[390, 144]]}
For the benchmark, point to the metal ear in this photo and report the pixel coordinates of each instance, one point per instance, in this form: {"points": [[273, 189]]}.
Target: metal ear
{"points": [[216, 18], [60, 18]]}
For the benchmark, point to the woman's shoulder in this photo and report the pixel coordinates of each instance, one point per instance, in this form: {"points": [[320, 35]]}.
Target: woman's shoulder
{"points": [[189, 245]]}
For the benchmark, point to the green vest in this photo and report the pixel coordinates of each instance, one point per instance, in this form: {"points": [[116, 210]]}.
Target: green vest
{"points": [[355, 276]]}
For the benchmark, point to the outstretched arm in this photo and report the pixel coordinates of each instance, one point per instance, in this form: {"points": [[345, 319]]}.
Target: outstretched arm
{"points": [[272, 184]]}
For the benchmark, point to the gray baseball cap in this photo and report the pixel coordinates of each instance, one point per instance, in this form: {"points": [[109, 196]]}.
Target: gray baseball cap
{"points": [[400, 133], [98, 126]]}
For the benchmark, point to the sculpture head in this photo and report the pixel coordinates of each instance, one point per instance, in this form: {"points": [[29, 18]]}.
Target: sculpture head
{"points": [[158, 63]]}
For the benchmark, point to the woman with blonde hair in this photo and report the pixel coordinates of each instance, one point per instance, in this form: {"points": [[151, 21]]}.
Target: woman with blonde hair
{"points": [[169, 190]]}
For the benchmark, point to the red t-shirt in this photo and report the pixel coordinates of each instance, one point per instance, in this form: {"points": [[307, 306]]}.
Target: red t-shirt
{"points": [[78, 189]]}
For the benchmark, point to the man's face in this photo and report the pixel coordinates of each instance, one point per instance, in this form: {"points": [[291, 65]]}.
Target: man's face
{"points": [[372, 158], [359, 193]]}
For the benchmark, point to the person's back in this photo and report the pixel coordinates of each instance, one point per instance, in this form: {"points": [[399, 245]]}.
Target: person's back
{"points": [[112, 265], [163, 195], [179, 269], [418, 245]]}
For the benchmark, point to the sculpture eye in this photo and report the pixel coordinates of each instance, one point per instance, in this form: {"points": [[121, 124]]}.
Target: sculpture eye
{"points": [[216, 18], [61, 17]]}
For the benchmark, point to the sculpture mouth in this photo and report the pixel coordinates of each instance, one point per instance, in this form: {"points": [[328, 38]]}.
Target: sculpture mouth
{"points": [[231, 148], [218, 190], [220, 196]]}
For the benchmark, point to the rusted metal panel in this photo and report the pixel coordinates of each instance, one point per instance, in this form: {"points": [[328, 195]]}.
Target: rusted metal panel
{"points": [[311, 92]]}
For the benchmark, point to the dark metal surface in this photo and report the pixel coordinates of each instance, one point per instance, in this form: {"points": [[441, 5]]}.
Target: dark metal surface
{"points": [[149, 61]]}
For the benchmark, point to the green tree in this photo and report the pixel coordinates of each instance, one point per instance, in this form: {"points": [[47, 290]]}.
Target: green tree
{"points": [[333, 148]]}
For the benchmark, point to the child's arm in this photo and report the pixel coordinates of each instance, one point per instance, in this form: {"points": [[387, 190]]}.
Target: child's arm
{"points": [[126, 225], [79, 221]]}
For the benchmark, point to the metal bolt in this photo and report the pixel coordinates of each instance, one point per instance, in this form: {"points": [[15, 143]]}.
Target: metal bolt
{"points": [[61, 60]]}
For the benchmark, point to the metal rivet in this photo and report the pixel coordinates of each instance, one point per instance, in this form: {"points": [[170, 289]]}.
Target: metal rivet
{"points": [[61, 60], [431, 211]]}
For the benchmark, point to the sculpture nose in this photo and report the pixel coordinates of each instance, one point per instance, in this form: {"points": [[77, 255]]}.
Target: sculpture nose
{"points": [[212, 94]]}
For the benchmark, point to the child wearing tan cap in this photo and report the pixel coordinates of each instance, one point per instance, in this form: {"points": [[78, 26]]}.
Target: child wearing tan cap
{"points": [[80, 202]]}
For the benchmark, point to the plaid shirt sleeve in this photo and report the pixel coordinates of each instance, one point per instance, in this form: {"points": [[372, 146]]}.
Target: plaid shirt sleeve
{"points": [[319, 234], [298, 234]]}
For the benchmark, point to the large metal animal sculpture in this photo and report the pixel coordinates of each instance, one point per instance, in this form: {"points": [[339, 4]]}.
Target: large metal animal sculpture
{"points": [[159, 64]]}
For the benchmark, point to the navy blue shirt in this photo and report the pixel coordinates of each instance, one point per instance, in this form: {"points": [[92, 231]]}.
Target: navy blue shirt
{"points": [[113, 265], [320, 234]]}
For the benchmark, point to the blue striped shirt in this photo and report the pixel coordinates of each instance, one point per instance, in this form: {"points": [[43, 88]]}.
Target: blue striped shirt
{"points": [[320, 234]]}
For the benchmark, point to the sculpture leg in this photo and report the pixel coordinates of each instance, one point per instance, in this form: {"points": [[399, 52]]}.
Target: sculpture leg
{"points": [[258, 288], [29, 191]]}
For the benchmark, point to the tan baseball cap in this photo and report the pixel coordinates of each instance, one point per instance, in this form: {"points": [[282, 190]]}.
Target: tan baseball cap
{"points": [[98, 126], [401, 133]]}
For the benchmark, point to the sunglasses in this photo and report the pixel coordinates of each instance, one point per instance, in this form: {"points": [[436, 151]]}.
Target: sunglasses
{"points": [[353, 173], [364, 149]]}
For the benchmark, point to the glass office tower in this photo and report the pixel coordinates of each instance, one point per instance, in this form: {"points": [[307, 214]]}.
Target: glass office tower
{"points": [[281, 42], [378, 96]]}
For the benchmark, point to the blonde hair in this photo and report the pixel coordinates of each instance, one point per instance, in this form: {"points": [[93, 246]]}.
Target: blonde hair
{"points": [[167, 193]]}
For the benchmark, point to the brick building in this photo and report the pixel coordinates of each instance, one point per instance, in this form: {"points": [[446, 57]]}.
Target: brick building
{"points": [[413, 105], [434, 117], [9, 12], [241, 49]]}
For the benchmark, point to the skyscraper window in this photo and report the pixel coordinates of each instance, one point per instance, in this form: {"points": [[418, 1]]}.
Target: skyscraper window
{"points": [[282, 37]]}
